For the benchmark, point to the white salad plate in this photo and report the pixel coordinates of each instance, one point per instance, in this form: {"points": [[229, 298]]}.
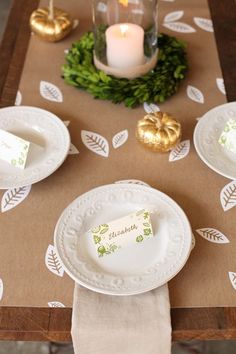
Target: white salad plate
{"points": [[136, 268], [206, 136], [51, 143]]}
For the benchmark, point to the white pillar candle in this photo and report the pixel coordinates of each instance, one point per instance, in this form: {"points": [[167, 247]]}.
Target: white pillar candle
{"points": [[125, 45]]}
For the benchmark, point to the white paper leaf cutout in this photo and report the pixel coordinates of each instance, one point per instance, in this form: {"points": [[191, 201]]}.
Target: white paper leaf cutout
{"points": [[193, 243], [75, 23], [73, 150], [180, 151], [95, 142], [228, 196], [195, 94], [12, 197], [120, 138], [52, 261], [50, 92], [133, 181], [18, 98], [66, 122], [221, 85], [150, 107], [55, 304], [173, 16], [101, 7], [232, 277], [212, 235], [204, 23], [179, 27], [1, 289]]}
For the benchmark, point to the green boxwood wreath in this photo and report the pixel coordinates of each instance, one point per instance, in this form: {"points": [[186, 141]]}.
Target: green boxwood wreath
{"points": [[155, 86]]}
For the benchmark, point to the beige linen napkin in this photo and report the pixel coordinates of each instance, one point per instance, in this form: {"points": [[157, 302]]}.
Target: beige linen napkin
{"points": [[104, 324]]}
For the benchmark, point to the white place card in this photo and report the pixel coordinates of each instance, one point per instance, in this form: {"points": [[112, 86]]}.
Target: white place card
{"points": [[13, 149], [134, 228]]}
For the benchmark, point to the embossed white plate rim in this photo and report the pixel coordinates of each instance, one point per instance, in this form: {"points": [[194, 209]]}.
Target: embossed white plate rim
{"points": [[197, 138], [60, 156], [123, 292]]}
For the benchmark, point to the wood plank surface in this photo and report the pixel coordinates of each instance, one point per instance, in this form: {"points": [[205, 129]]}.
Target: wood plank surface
{"points": [[13, 49], [224, 19], [53, 324]]}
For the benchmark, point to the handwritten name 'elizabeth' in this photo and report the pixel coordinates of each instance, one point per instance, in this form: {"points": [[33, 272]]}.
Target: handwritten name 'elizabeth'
{"points": [[122, 232]]}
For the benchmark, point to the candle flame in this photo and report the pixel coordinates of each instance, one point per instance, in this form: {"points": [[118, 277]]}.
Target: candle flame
{"points": [[124, 29], [124, 2]]}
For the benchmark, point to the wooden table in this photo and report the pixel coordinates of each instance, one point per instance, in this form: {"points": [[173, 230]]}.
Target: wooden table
{"points": [[53, 324]]}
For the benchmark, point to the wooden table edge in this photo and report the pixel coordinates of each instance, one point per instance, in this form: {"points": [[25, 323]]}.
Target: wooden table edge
{"points": [[54, 324]]}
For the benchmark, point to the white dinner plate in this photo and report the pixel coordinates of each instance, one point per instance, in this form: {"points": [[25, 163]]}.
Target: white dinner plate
{"points": [[132, 270], [51, 143], [206, 136]]}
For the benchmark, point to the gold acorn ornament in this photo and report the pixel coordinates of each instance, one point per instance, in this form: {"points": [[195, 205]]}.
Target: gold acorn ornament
{"points": [[51, 24], [158, 131]]}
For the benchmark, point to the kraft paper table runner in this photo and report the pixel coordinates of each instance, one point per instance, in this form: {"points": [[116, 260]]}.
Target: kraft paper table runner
{"points": [[27, 229]]}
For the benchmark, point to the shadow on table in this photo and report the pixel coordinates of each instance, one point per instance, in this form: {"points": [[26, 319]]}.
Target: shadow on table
{"points": [[191, 347], [4, 11]]}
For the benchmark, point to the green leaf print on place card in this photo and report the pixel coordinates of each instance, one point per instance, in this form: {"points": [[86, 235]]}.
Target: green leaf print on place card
{"points": [[130, 229], [228, 136], [139, 238], [13, 149]]}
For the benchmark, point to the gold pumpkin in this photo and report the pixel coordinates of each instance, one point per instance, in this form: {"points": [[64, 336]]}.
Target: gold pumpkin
{"points": [[51, 24], [158, 131]]}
